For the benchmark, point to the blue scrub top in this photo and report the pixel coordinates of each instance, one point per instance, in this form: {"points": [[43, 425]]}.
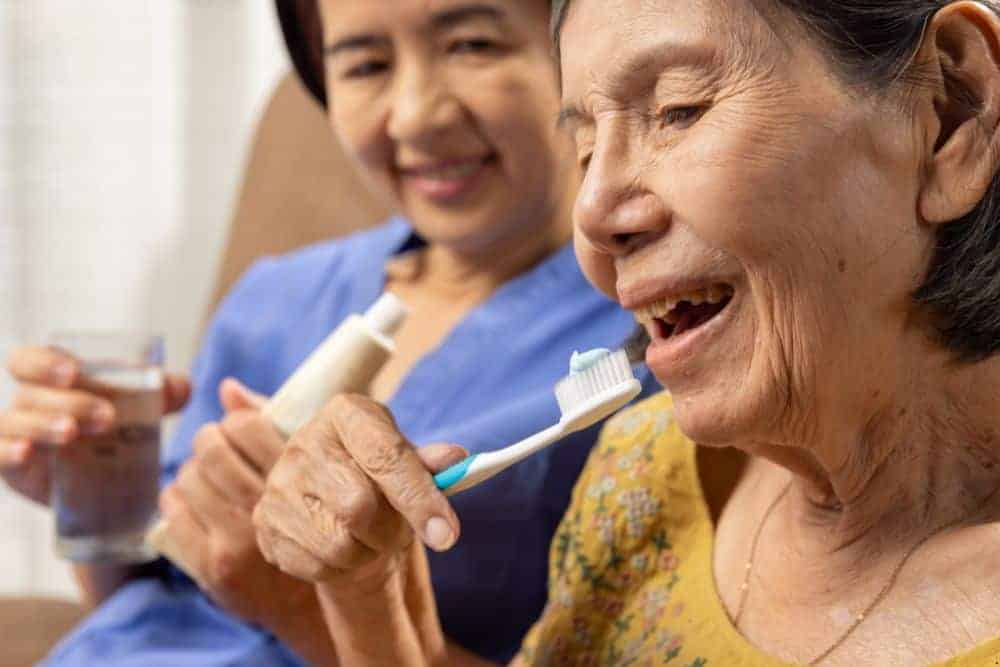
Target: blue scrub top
{"points": [[487, 385]]}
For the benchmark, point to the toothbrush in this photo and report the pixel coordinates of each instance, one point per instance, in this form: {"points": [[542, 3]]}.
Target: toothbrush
{"points": [[600, 383]]}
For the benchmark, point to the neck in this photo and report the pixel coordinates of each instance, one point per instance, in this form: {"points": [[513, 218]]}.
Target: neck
{"points": [[915, 468], [477, 271]]}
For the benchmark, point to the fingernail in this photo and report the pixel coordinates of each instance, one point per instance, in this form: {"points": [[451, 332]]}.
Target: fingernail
{"points": [[63, 373], [20, 450], [103, 414], [59, 429], [438, 535]]}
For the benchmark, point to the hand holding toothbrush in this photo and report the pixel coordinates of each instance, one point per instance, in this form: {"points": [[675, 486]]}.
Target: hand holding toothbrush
{"points": [[349, 494]]}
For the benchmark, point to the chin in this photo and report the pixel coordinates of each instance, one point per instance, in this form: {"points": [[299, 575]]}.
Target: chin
{"points": [[712, 418]]}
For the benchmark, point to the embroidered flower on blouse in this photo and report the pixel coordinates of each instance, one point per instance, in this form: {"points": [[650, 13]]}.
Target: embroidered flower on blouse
{"points": [[640, 505]]}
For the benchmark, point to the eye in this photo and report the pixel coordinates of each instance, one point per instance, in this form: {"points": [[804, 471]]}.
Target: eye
{"points": [[681, 117], [473, 45], [366, 69]]}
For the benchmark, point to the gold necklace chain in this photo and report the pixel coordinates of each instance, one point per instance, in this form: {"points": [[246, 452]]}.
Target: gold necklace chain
{"points": [[858, 619]]}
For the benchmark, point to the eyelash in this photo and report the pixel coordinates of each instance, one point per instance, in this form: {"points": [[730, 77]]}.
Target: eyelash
{"points": [[472, 45], [681, 116], [366, 69]]}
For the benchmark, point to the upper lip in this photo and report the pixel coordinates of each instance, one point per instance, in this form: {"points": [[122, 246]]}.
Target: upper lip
{"points": [[443, 163], [642, 293]]}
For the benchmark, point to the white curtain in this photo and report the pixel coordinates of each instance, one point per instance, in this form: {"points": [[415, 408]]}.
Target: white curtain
{"points": [[123, 127]]}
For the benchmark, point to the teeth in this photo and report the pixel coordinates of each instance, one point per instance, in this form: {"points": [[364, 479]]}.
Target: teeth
{"points": [[450, 172], [663, 309]]}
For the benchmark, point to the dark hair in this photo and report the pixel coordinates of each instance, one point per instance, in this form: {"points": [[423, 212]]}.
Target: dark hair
{"points": [[872, 44], [303, 34]]}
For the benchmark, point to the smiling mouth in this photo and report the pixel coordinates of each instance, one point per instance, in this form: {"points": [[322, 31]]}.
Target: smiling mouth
{"points": [[450, 170], [672, 316]]}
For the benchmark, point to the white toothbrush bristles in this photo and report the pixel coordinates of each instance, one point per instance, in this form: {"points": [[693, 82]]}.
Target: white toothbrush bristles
{"points": [[607, 373]]}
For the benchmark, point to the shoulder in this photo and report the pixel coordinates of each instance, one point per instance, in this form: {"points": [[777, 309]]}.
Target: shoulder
{"points": [[283, 283], [617, 537], [625, 483]]}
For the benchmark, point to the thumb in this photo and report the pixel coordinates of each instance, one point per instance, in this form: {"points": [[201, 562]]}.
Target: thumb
{"points": [[176, 391], [440, 456], [235, 396]]}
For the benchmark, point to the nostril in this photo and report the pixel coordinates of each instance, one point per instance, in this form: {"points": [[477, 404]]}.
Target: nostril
{"points": [[622, 240]]}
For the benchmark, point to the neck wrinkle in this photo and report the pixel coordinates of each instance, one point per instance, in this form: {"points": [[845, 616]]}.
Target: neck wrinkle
{"points": [[902, 483]]}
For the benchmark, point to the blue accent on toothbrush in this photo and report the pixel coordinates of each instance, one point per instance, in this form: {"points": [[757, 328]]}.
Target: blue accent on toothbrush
{"points": [[454, 474], [582, 361]]}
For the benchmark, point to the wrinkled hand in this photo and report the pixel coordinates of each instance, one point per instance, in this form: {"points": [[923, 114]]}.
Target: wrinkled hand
{"points": [[52, 406], [348, 494], [208, 511]]}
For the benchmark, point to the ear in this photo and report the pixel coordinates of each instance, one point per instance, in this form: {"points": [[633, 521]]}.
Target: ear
{"points": [[961, 49]]}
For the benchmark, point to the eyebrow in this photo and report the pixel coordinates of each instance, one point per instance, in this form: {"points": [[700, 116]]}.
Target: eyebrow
{"points": [[646, 63], [444, 19], [353, 43]]}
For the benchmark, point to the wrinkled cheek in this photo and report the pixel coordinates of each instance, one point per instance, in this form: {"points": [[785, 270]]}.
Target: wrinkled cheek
{"points": [[598, 267]]}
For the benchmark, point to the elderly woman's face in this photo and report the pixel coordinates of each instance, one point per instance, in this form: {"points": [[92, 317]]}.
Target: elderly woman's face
{"points": [[448, 106], [757, 215]]}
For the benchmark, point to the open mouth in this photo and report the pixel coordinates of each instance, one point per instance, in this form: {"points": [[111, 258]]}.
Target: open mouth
{"points": [[673, 316]]}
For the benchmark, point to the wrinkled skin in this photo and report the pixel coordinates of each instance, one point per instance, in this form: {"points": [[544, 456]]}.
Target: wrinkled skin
{"points": [[208, 511], [721, 146], [349, 494]]}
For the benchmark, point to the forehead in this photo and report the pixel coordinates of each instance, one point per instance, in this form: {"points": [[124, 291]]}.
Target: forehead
{"points": [[602, 40], [350, 15]]}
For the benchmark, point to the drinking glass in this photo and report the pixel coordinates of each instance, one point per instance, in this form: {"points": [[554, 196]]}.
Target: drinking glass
{"points": [[105, 487]]}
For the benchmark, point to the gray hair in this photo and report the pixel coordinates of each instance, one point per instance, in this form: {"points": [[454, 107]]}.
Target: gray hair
{"points": [[871, 44]]}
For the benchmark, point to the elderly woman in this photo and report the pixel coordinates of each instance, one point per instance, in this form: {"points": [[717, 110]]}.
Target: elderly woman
{"points": [[820, 486], [447, 108]]}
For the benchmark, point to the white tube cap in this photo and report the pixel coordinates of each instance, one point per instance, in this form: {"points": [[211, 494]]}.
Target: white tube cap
{"points": [[387, 314]]}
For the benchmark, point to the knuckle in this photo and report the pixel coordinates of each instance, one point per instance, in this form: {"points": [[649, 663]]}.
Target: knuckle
{"points": [[204, 438], [171, 501], [239, 422], [355, 506], [385, 457], [410, 492], [187, 476], [263, 517]]}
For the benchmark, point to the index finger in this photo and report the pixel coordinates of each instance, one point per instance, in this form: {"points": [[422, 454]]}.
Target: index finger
{"points": [[369, 434], [42, 365]]}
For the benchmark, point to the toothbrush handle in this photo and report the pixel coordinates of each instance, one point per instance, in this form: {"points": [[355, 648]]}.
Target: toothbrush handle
{"points": [[455, 474]]}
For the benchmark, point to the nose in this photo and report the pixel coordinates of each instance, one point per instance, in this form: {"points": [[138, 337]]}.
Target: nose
{"points": [[422, 108], [614, 211]]}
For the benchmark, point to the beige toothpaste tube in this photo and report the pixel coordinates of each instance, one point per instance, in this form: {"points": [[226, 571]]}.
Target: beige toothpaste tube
{"points": [[345, 362]]}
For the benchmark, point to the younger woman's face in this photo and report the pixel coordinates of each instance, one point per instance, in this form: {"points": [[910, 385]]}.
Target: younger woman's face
{"points": [[449, 107]]}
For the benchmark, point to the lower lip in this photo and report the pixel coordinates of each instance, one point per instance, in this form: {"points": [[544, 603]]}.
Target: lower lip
{"points": [[666, 357], [450, 189]]}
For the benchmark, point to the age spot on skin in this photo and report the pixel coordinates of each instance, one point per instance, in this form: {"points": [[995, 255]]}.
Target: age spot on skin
{"points": [[842, 265]]}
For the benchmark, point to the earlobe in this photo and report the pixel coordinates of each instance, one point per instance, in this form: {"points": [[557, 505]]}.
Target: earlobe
{"points": [[962, 48]]}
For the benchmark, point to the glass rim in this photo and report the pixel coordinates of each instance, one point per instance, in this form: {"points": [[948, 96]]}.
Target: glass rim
{"points": [[145, 336]]}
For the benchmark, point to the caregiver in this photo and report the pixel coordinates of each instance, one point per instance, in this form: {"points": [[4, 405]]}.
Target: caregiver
{"points": [[447, 107]]}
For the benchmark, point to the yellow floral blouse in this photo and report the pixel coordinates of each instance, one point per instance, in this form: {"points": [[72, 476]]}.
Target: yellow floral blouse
{"points": [[630, 579]]}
